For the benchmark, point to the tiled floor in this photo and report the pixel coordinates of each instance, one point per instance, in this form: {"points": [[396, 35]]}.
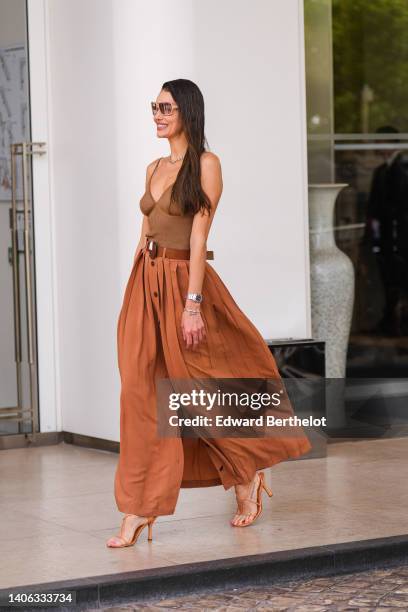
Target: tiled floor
{"points": [[57, 509], [379, 589]]}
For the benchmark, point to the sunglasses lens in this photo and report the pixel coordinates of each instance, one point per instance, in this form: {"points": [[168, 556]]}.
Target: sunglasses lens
{"points": [[165, 108]]}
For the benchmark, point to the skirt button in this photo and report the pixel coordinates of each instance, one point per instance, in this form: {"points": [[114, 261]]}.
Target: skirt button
{"points": [[152, 263], [155, 293]]}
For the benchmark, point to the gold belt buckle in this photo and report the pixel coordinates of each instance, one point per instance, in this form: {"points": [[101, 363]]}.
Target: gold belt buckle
{"points": [[152, 248]]}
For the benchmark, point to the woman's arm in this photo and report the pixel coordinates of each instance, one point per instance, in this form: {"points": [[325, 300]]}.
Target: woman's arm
{"points": [[211, 181], [145, 224]]}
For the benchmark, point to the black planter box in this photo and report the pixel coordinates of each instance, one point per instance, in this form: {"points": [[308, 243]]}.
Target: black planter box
{"points": [[304, 358]]}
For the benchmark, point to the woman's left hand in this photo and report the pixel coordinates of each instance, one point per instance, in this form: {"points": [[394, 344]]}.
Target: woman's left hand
{"points": [[193, 329]]}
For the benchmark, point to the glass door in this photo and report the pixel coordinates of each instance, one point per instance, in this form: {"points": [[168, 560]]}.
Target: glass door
{"points": [[18, 348]]}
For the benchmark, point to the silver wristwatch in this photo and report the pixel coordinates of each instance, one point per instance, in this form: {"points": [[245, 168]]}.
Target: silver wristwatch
{"points": [[195, 297]]}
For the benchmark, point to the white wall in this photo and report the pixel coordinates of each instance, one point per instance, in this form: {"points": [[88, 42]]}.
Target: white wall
{"points": [[107, 59], [82, 148], [153, 43], [251, 52]]}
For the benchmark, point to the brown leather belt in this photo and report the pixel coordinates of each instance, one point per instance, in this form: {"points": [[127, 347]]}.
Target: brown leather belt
{"points": [[154, 250]]}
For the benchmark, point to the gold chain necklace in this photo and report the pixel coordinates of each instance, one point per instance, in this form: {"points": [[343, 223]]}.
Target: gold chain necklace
{"points": [[173, 161]]}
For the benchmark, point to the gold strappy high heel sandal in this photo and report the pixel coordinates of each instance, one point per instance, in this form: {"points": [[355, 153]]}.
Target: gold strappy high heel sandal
{"points": [[136, 534], [257, 501]]}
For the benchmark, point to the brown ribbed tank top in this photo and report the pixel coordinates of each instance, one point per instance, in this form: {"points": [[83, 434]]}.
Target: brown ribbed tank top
{"points": [[169, 229]]}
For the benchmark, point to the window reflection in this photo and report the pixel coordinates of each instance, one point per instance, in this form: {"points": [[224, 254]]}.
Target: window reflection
{"points": [[356, 75]]}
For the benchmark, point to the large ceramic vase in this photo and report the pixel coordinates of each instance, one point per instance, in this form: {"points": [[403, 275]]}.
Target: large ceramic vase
{"points": [[332, 279]]}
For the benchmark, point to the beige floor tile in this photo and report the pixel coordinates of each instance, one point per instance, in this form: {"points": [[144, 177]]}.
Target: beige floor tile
{"points": [[57, 509], [15, 525], [61, 557]]}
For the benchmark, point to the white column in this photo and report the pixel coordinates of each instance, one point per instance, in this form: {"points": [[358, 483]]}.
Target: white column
{"points": [[82, 148]]}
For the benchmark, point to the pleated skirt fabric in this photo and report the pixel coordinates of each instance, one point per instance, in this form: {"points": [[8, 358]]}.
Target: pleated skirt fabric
{"points": [[152, 469]]}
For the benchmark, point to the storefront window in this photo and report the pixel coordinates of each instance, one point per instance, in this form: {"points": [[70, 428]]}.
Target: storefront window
{"points": [[356, 74]]}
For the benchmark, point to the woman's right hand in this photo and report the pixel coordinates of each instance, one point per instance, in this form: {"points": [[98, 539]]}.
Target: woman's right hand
{"points": [[193, 329]]}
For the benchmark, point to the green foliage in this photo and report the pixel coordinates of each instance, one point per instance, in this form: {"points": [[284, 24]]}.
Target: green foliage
{"points": [[370, 47]]}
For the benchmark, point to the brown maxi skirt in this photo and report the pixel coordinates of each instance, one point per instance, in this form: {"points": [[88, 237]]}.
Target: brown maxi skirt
{"points": [[151, 469]]}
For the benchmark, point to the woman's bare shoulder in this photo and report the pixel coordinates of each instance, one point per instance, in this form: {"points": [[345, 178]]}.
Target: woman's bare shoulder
{"points": [[150, 167], [152, 164], [211, 176], [210, 166], [210, 160]]}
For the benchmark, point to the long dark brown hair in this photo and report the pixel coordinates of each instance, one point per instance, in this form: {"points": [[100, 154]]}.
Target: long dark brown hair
{"points": [[187, 190]]}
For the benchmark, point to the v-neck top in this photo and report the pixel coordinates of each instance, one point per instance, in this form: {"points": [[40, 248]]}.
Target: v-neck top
{"points": [[170, 229]]}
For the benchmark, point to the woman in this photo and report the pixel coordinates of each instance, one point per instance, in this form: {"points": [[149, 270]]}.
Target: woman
{"points": [[178, 320]]}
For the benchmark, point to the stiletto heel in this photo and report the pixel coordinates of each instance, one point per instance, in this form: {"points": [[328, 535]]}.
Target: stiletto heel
{"points": [[266, 489], [150, 529], [257, 501], [136, 533]]}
